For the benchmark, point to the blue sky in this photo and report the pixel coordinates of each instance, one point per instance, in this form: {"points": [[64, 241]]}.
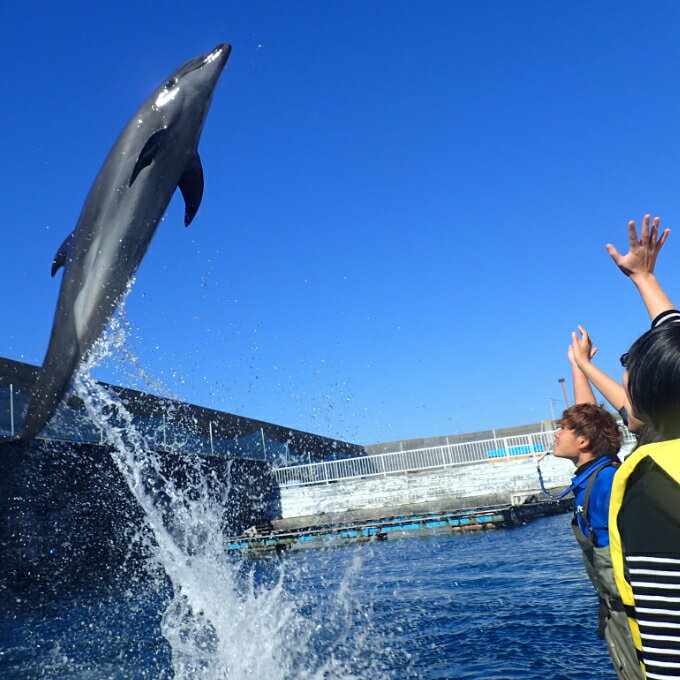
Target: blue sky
{"points": [[406, 203]]}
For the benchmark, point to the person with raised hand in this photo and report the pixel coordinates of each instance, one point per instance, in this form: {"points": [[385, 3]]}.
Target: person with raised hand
{"points": [[590, 438], [644, 512]]}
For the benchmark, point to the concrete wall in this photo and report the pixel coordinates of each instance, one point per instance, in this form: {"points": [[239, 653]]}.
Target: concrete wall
{"points": [[466, 486], [67, 515]]}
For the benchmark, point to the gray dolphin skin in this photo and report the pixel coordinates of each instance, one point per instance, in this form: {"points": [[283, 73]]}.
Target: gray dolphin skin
{"points": [[155, 153]]}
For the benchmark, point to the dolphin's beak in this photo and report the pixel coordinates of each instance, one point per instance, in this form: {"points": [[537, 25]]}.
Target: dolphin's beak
{"points": [[221, 52]]}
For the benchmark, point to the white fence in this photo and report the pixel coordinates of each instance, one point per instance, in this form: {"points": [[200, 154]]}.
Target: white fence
{"points": [[488, 450]]}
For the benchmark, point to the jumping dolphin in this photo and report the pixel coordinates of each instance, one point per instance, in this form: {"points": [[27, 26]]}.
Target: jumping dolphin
{"points": [[155, 153]]}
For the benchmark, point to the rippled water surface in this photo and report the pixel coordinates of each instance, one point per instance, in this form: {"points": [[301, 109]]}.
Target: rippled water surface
{"points": [[489, 606]]}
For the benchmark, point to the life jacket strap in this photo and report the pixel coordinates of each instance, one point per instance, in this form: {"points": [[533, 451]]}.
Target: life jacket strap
{"points": [[603, 462], [586, 497]]}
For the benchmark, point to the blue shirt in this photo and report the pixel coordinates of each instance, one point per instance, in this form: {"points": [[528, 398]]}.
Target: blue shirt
{"points": [[598, 507]]}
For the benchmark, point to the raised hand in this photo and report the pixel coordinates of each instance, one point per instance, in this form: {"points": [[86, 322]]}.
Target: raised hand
{"points": [[642, 253], [581, 349]]}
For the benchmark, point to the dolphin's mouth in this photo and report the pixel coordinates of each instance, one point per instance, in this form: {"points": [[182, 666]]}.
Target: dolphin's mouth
{"points": [[217, 52], [221, 52]]}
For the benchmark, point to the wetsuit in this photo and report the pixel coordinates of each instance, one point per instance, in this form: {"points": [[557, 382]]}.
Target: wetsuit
{"points": [[590, 525]]}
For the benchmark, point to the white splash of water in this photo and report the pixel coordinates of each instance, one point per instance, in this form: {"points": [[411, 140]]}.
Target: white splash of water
{"points": [[222, 622]]}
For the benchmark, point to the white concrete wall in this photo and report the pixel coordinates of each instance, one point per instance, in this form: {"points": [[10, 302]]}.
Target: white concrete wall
{"points": [[463, 486]]}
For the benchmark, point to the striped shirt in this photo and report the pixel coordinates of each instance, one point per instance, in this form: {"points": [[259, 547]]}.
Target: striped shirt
{"points": [[669, 316], [649, 523], [656, 585]]}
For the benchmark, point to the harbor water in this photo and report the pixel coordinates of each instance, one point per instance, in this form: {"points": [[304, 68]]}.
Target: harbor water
{"points": [[497, 605], [509, 604]]}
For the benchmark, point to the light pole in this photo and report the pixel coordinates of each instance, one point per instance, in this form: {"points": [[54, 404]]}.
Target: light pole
{"points": [[564, 391]]}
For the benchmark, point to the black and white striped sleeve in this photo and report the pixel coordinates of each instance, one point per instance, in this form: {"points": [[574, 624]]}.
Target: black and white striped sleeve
{"points": [[669, 316], [656, 586]]}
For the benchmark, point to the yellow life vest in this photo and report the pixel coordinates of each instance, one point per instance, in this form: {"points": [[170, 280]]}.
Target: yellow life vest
{"points": [[667, 456]]}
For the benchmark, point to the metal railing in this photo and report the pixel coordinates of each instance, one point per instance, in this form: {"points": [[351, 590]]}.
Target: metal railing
{"points": [[163, 435], [415, 460], [161, 432]]}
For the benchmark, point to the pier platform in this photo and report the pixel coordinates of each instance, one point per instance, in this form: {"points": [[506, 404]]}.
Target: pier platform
{"points": [[263, 538]]}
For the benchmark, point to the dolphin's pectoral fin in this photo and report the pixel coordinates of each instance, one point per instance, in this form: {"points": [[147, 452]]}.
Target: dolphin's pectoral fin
{"points": [[153, 144], [63, 252], [191, 186]]}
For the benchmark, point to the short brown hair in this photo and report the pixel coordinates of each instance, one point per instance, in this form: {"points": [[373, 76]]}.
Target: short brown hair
{"points": [[589, 420]]}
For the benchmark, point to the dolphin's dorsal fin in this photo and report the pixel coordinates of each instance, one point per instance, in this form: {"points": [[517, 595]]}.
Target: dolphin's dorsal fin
{"points": [[191, 186], [153, 144], [61, 255]]}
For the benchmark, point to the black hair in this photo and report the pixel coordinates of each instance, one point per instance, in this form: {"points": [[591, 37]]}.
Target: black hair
{"points": [[654, 380]]}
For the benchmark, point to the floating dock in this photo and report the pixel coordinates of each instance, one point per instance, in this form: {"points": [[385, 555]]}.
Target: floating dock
{"points": [[265, 539]]}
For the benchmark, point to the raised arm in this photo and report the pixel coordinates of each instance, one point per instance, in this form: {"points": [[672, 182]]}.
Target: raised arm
{"points": [[613, 392], [638, 264], [583, 392]]}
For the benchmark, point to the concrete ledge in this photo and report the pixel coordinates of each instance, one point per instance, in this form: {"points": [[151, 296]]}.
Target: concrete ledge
{"points": [[465, 487], [363, 514]]}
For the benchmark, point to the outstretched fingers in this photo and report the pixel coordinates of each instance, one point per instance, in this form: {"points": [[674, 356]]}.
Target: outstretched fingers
{"points": [[644, 232], [632, 234], [655, 229], [662, 240], [613, 252], [643, 250]]}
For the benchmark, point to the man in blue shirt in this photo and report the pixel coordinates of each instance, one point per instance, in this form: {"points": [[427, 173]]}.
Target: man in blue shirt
{"points": [[590, 438]]}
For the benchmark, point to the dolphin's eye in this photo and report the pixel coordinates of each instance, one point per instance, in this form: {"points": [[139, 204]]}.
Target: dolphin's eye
{"points": [[169, 92]]}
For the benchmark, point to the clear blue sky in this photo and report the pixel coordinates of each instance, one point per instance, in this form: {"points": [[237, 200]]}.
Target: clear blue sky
{"points": [[406, 203]]}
